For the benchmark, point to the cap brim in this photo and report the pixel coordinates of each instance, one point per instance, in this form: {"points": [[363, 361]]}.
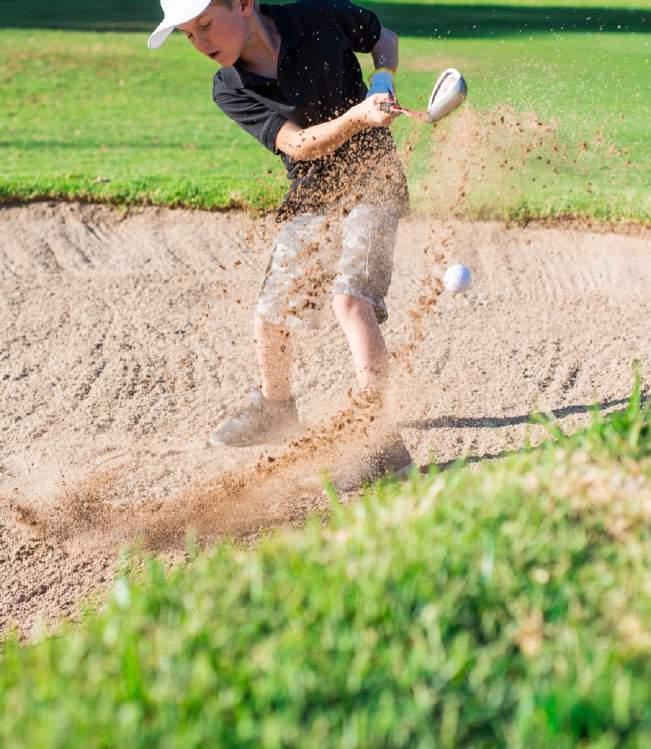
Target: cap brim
{"points": [[159, 35], [169, 23]]}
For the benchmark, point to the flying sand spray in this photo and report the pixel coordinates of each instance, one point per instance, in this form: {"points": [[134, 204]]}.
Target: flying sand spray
{"points": [[449, 92]]}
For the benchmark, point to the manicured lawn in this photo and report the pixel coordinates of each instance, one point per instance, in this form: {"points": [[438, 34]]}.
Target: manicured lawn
{"points": [[96, 115]]}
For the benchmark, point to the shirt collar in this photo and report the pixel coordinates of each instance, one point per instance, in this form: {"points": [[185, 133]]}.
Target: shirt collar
{"points": [[290, 30], [288, 25]]}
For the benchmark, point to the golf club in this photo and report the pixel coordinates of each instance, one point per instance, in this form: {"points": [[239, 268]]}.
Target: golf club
{"points": [[448, 93]]}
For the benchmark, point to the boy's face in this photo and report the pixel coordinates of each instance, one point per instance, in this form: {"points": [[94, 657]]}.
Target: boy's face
{"points": [[220, 32]]}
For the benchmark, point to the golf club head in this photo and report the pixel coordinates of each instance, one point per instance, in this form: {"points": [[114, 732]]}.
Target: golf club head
{"points": [[449, 91]]}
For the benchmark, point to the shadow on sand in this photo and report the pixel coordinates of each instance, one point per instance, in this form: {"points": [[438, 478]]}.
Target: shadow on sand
{"points": [[492, 422]]}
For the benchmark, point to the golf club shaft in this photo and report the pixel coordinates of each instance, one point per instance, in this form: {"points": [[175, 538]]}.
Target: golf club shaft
{"points": [[422, 116], [388, 106]]}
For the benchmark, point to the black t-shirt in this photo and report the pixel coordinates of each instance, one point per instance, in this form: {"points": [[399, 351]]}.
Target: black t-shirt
{"points": [[319, 78]]}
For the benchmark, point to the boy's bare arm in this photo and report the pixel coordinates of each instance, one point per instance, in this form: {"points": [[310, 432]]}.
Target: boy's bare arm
{"points": [[305, 144], [385, 52]]}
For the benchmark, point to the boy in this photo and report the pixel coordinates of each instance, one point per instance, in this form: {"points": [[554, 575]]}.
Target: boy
{"points": [[289, 77]]}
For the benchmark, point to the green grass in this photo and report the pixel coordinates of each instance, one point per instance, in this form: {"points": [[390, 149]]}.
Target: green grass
{"points": [[505, 605], [469, 18], [592, 153], [96, 116]]}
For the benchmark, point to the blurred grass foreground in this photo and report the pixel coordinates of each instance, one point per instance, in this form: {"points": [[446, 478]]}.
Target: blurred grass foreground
{"points": [[504, 606], [87, 112]]}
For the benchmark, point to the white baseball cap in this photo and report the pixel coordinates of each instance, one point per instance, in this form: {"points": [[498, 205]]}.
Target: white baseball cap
{"points": [[176, 12]]}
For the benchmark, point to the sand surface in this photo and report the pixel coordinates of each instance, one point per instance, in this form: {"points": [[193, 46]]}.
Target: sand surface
{"points": [[126, 337]]}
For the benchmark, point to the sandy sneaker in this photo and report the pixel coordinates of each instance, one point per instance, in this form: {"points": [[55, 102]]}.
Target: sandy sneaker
{"points": [[261, 422], [390, 459]]}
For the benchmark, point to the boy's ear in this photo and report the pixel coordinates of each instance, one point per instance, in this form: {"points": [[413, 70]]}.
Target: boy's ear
{"points": [[246, 6]]}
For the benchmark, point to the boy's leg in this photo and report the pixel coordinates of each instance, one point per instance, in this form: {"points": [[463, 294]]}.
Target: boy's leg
{"points": [[364, 274], [358, 320], [368, 240], [286, 297], [273, 347], [383, 451], [287, 292], [271, 416]]}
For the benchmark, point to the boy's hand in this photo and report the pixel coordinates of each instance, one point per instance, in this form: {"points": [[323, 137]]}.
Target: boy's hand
{"points": [[369, 113]]}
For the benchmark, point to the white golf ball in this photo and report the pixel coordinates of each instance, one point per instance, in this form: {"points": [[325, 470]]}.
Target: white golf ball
{"points": [[457, 278]]}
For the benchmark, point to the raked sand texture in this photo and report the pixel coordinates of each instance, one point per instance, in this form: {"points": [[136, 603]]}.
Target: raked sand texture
{"points": [[126, 337]]}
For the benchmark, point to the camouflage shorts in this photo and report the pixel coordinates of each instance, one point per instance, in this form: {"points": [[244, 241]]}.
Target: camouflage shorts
{"points": [[315, 256]]}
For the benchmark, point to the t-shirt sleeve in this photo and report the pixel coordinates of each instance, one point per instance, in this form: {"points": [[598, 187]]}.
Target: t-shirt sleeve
{"points": [[360, 25], [251, 115]]}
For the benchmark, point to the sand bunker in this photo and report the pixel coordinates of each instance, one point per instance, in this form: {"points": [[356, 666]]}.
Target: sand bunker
{"points": [[127, 337]]}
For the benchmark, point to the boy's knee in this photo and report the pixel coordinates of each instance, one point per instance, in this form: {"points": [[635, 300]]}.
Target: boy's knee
{"points": [[264, 328], [259, 324], [347, 306]]}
